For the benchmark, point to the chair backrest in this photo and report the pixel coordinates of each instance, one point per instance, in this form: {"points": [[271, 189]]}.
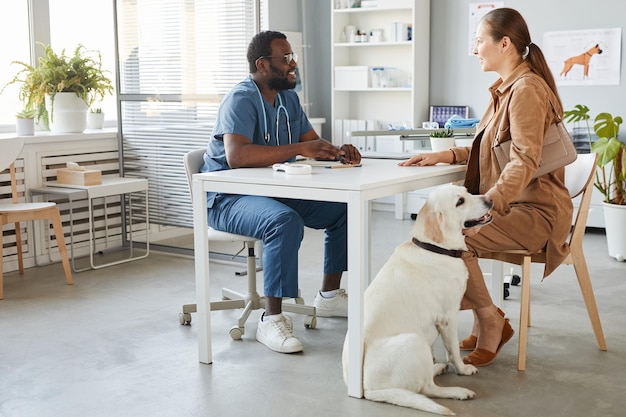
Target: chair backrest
{"points": [[193, 161], [11, 149], [579, 177], [579, 173]]}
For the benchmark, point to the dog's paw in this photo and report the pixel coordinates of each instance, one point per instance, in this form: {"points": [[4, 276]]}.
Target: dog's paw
{"points": [[464, 394], [439, 368], [466, 369]]}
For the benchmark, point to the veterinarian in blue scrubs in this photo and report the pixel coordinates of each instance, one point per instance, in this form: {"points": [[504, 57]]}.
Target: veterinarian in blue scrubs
{"points": [[261, 122], [528, 213]]}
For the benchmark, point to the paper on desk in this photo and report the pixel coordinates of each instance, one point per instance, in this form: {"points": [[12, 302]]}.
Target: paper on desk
{"points": [[316, 163]]}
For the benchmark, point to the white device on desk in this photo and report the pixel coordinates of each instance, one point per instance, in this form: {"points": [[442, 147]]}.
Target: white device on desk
{"points": [[297, 169]]}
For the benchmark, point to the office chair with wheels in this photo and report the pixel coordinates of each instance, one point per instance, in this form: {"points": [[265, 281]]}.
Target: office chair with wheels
{"points": [[16, 212], [251, 300], [579, 181]]}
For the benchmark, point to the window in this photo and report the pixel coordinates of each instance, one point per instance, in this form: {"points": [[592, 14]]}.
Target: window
{"points": [[177, 58], [95, 30], [55, 23], [13, 26]]}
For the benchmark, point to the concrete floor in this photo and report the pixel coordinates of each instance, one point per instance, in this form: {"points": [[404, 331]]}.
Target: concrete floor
{"points": [[111, 345]]}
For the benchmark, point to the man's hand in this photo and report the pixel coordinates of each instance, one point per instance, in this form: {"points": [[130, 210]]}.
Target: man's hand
{"points": [[320, 149], [349, 155], [323, 150]]}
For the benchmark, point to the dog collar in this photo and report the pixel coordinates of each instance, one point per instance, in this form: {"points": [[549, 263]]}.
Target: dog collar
{"points": [[438, 249]]}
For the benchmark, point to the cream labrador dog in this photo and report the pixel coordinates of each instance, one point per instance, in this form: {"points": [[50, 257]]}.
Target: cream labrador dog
{"points": [[416, 296]]}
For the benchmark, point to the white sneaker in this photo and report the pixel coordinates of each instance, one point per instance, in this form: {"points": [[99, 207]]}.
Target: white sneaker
{"points": [[277, 334], [336, 306]]}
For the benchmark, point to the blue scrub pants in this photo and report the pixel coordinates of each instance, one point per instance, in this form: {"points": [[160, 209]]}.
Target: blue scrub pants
{"points": [[279, 223]]}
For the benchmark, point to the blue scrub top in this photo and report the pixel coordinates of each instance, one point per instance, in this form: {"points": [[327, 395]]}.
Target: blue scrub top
{"points": [[241, 112]]}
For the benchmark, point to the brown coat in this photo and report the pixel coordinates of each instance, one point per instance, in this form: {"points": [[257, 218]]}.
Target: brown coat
{"points": [[520, 111]]}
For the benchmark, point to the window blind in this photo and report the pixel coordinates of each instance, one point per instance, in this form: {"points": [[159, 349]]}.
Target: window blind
{"points": [[177, 59]]}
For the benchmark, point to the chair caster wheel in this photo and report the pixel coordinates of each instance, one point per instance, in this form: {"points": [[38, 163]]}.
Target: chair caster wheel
{"points": [[515, 280], [506, 292], [413, 216], [310, 322], [236, 332], [184, 319]]}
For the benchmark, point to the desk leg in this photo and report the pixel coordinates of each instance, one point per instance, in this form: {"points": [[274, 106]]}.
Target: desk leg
{"points": [[92, 240], [358, 277], [201, 256], [497, 281]]}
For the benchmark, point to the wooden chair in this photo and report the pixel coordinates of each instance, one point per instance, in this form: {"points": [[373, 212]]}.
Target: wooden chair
{"points": [[579, 181], [251, 300], [16, 212]]}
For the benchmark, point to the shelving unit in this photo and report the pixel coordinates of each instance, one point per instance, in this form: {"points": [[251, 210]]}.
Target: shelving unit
{"points": [[358, 105]]}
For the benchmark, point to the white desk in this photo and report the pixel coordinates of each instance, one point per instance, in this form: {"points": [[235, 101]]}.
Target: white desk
{"points": [[110, 186], [354, 186]]}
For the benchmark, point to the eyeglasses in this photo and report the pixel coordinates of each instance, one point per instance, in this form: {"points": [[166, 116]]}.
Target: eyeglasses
{"points": [[291, 56]]}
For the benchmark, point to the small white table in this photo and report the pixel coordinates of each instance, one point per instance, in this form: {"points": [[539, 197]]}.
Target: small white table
{"points": [[355, 186], [110, 186]]}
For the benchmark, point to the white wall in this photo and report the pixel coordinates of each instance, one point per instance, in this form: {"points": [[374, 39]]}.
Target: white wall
{"points": [[456, 77]]}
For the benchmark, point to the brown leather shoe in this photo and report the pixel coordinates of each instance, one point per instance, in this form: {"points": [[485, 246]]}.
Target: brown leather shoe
{"points": [[483, 357], [469, 343]]}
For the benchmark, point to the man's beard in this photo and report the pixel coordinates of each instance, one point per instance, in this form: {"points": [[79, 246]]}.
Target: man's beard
{"points": [[280, 82]]}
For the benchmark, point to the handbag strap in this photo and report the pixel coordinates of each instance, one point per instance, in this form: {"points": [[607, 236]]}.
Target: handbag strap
{"points": [[559, 117]]}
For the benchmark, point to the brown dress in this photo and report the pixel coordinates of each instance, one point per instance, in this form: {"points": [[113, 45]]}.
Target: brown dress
{"points": [[529, 213]]}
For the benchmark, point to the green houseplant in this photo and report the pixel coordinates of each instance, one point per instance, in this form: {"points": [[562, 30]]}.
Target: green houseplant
{"points": [[610, 178], [441, 139], [25, 122], [95, 118], [80, 73]]}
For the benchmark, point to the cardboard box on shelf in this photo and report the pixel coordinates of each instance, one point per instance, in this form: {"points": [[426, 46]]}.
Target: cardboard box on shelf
{"points": [[77, 177]]}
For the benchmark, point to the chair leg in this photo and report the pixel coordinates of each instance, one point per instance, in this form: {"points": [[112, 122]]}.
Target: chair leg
{"points": [[1, 271], [18, 243], [249, 301], [55, 218], [582, 273], [524, 315]]}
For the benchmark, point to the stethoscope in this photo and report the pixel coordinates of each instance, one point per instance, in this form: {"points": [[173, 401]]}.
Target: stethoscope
{"points": [[266, 136]]}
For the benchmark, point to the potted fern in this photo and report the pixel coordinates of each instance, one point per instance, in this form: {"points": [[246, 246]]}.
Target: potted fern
{"points": [[610, 178], [76, 81]]}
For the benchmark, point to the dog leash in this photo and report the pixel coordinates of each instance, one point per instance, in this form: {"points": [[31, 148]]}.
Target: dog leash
{"points": [[438, 249]]}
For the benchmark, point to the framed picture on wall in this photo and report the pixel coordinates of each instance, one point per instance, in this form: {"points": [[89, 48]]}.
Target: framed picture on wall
{"points": [[441, 114]]}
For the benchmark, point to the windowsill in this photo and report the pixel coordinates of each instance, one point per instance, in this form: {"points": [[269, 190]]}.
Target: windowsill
{"points": [[64, 137]]}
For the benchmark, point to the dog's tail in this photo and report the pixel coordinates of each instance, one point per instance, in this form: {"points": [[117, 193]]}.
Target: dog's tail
{"points": [[406, 398]]}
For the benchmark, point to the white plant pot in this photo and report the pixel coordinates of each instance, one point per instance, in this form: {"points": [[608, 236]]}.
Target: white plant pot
{"points": [[95, 120], [67, 113], [441, 144], [615, 226], [24, 127]]}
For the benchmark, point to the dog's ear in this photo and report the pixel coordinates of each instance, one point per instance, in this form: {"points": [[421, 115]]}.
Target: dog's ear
{"points": [[432, 224]]}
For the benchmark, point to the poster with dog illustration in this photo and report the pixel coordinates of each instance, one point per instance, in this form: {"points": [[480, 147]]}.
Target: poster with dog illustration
{"points": [[584, 57]]}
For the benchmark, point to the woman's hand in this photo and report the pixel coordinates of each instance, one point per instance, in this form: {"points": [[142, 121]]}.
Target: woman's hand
{"points": [[431, 158]]}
